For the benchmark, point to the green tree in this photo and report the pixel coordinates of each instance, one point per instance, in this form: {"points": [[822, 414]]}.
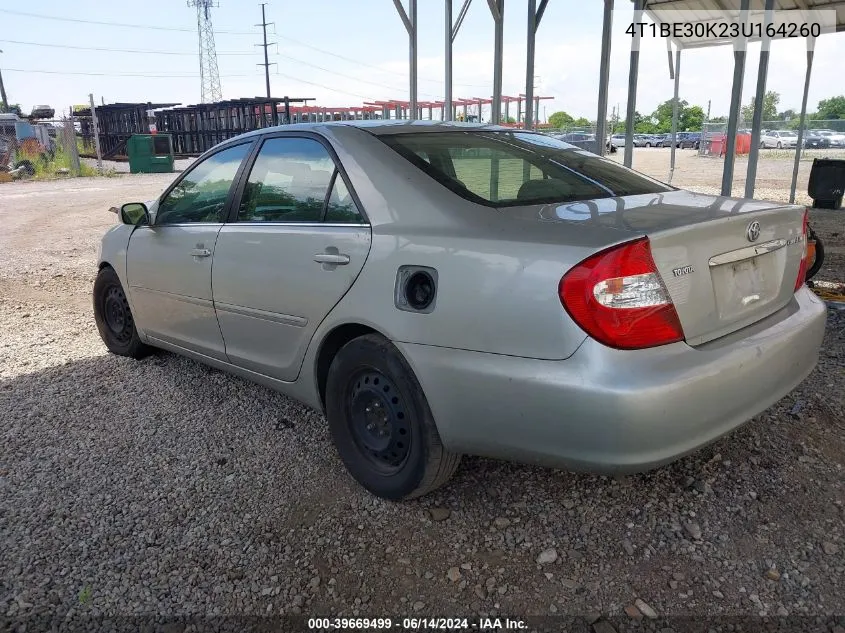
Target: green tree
{"points": [[663, 115], [692, 119], [718, 119], [770, 108], [833, 108], [787, 115], [560, 119], [582, 122]]}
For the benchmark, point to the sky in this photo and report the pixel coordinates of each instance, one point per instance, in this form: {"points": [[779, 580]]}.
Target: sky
{"points": [[343, 53]]}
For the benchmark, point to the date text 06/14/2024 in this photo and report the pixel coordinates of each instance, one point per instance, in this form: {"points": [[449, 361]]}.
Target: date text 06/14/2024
{"points": [[725, 30]]}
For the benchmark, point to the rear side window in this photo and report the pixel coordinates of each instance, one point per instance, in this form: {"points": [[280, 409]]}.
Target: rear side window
{"points": [[289, 182], [502, 169]]}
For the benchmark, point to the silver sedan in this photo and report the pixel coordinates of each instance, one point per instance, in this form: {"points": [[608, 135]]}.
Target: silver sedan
{"points": [[448, 289]]}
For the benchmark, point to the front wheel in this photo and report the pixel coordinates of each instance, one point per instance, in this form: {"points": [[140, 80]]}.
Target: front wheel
{"points": [[780, 145], [381, 424], [114, 318]]}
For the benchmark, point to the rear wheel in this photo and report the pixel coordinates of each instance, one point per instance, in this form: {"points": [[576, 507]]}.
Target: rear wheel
{"points": [[114, 318], [780, 145], [381, 424]]}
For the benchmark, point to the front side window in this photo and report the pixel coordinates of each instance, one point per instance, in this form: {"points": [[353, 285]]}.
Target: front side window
{"points": [[288, 182], [201, 195], [501, 169]]}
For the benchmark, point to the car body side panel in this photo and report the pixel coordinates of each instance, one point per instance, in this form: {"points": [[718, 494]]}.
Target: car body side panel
{"points": [[270, 294]]}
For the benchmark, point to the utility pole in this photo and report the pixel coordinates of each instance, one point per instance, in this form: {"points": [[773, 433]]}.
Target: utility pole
{"points": [[264, 24], [4, 103]]}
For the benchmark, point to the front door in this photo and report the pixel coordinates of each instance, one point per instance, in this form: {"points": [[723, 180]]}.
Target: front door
{"points": [[169, 263], [296, 247]]}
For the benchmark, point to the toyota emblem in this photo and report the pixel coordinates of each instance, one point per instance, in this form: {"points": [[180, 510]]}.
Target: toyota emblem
{"points": [[753, 231]]}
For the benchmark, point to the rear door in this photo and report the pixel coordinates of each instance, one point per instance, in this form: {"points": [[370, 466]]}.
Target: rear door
{"points": [[294, 245], [169, 263]]}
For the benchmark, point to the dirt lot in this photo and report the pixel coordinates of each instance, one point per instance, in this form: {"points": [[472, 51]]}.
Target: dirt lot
{"points": [[164, 487]]}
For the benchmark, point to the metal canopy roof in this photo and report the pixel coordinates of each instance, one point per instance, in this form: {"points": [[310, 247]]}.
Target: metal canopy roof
{"points": [[708, 11]]}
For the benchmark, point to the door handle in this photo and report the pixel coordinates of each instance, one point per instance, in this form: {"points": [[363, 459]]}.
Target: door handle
{"points": [[200, 252], [338, 259]]}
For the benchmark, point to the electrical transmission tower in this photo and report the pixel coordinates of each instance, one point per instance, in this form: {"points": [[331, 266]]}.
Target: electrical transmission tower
{"points": [[209, 74]]}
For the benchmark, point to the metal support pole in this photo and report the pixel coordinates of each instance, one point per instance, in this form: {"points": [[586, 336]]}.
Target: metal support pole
{"points": [[413, 60], [447, 106], [736, 103], [497, 8], [675, 104], [410, 23], [633, 74], [519, 111], [4, 102], [792, 187], [96, 134], [757, 121], [529, 62], [604, 77]]}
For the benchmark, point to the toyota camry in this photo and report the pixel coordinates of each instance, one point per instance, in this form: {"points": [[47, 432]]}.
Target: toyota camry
{"points": [[442, 289]]}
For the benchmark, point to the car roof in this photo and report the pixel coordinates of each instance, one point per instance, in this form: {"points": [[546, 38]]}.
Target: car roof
{"points": [[382, 127]]}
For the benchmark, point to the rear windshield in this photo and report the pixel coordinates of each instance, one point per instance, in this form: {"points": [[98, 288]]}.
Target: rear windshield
{"points": [[501, 169]]}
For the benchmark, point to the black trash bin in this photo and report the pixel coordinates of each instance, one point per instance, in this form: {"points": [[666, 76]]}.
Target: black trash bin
{"points": [[827, 183]]}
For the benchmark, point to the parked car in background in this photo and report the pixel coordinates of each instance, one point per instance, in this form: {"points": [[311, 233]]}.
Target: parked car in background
{"points": [[617, 140], [42, 112], [779, 139], [837, 139], [579, 139], [642, 140], [612, 325], [690, 140], [815, 140]]}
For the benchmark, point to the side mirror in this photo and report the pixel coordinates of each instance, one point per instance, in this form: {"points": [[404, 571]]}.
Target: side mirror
{"points": [[134, 213]]}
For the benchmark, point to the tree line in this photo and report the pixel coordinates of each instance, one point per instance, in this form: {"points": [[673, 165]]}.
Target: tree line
{"points": [[691, 118]]}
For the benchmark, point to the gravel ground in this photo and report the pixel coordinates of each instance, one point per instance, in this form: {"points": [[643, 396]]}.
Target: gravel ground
{"points": [[165, 487]]}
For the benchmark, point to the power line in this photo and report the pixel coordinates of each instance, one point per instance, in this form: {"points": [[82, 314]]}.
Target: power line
{"points": [[187, 30], [113, 50], [118, 74], [379, 68], [154, 27], [333, 72]]}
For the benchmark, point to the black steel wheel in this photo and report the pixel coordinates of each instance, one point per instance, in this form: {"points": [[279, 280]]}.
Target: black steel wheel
{"points": [[377, 418], [114, 316], [381, 423]]}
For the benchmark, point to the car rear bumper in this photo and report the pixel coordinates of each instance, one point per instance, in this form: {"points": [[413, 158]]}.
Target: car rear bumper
{"points": [[607, 410]]}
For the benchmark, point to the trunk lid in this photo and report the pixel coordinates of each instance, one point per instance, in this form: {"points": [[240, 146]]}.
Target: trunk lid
{"points": [[719, 278]]}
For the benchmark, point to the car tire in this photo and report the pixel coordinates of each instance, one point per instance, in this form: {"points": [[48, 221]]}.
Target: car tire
{"points": [[381, 423], [780, 145], [114, 318], [648, 144]]}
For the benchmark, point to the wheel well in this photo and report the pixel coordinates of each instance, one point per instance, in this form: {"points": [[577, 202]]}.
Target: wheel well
{"points": [[331, 345], [104, 265]]}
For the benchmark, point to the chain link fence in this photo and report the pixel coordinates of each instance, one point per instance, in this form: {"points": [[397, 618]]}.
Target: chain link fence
{"points": [[778, 139]]}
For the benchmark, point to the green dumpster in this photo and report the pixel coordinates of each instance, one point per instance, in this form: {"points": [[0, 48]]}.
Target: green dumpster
{"points": [[150, 153]]}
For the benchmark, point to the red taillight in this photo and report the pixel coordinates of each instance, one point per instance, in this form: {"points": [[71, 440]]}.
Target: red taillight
{"points": [[802, 268], [618, 298]]}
